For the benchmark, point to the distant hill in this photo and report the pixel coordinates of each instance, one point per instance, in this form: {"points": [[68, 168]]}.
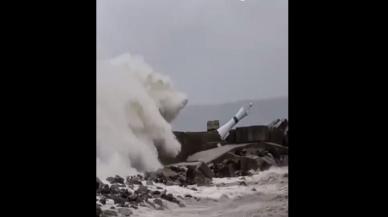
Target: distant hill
{"points": [[194, 117]]}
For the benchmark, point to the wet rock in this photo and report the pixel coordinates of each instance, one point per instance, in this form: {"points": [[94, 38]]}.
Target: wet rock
{"points": [[125, 193], [105, 189], [159, 204], [134, 180], [166, 175], [178, 168], [172, 174], [98, 211], [125, 211], [140, 198], [151, 205], [196, 173], [269, 159], [201, 180], [228, 168], [188, 195], [248, 163], [254, 189], [170, 182], [132, 197], [119, 179], [250, 173], [142, 204], [134, 206], [263, 164], [114, 189], [170, 197], [168, 172], [123, 205], [182, 181], [194, 176], [194, 189], [107, 213], [158, 201], [159, 187], [156, 193], [103, 200], [205, 170], [99, 183], [142, 194], [118, 199], [116, 179], [142, 190], [150, 175], [243, 183]]}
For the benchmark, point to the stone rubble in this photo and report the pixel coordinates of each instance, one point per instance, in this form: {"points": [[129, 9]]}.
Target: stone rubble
{"points": [[123, 195]]}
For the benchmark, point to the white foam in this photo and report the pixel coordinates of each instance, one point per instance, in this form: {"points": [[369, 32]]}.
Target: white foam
{"points": [[134, 107]]}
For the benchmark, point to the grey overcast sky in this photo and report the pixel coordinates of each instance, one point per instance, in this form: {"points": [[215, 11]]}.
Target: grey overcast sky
{"points": [[214, 50]]}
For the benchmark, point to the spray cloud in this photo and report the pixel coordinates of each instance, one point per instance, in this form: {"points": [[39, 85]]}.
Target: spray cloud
{"points": [[134, 107]]}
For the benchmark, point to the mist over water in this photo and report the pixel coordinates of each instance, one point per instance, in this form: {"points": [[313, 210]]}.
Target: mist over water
{"points": [[135, 106]]}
